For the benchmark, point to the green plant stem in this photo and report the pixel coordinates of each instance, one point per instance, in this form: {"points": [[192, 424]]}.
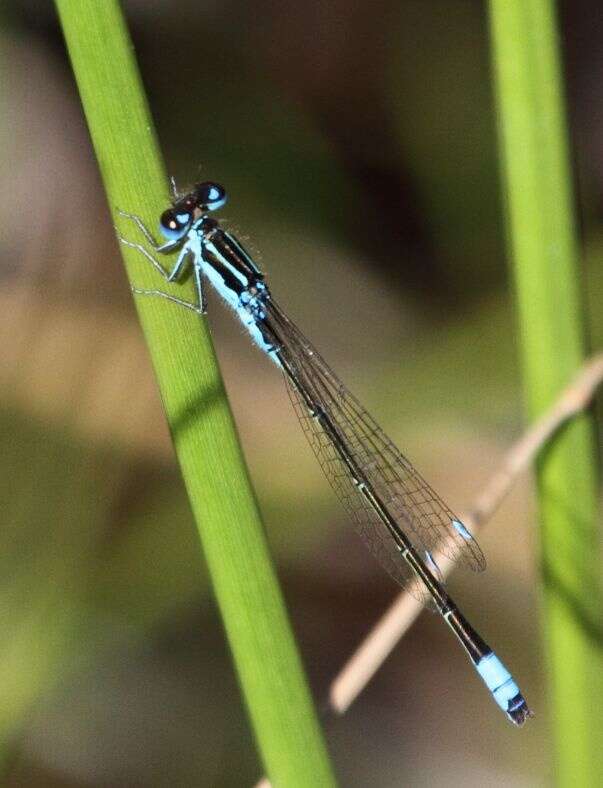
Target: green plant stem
{"points": [[552, 328], [204, 436]]}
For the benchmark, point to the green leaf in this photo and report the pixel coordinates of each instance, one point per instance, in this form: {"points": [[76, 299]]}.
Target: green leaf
{"points": [[199, 417], [552, 320]]}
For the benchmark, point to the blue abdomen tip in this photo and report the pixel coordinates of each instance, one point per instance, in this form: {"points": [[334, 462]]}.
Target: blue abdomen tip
{"points": [[503, 687]]}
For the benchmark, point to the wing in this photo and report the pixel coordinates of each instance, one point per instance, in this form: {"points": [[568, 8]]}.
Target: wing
{"points": [[421, 514]]}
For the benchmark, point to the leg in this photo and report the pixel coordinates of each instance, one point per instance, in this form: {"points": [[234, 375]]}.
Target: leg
{"points": [[200, 291], [175, 273], [155, 263], [139, 223], [200, 308], [194, 307], [147, 235]]}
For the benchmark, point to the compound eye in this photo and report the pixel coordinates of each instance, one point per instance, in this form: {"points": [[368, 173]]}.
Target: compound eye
{"points": [[173, 223], [210, 196]]}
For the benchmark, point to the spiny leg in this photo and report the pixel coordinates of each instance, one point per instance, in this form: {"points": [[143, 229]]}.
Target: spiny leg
{"points": [[165, 247], [179, 264], [141, 226], [194, 307], [200, 290], [139, 248]]}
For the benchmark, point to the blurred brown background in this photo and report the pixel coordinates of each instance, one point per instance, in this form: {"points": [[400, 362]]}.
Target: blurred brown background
{"points": [[357, 143]]}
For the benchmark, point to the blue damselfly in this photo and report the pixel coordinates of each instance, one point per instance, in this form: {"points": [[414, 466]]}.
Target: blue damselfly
{"points": [[401, 518]]}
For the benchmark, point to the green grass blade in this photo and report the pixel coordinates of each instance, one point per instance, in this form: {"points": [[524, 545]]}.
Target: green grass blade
{"points": [[204, 435], [552, 328]]}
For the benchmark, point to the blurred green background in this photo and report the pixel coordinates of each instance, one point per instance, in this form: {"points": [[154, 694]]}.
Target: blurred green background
{"points": [[357, 143]]}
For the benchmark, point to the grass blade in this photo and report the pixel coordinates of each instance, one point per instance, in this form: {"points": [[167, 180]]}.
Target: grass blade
{"points": [[552, 328], [200, 420]]}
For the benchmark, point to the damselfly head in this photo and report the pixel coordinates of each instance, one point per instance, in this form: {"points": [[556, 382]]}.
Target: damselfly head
{"points": [[176, 221], [209, 196]]}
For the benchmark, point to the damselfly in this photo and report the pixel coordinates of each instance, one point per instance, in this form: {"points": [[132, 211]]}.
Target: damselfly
{"points": [[402, 519]]}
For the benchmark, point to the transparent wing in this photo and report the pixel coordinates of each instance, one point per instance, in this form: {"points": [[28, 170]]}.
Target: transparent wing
{"points": [[419, 511]]}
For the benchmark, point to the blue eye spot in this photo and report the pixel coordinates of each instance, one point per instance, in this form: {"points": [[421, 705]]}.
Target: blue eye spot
{"points": [[210, 196]]}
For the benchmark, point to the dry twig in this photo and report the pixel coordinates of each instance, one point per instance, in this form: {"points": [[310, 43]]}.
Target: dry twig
{"points": [[383, 637]]}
